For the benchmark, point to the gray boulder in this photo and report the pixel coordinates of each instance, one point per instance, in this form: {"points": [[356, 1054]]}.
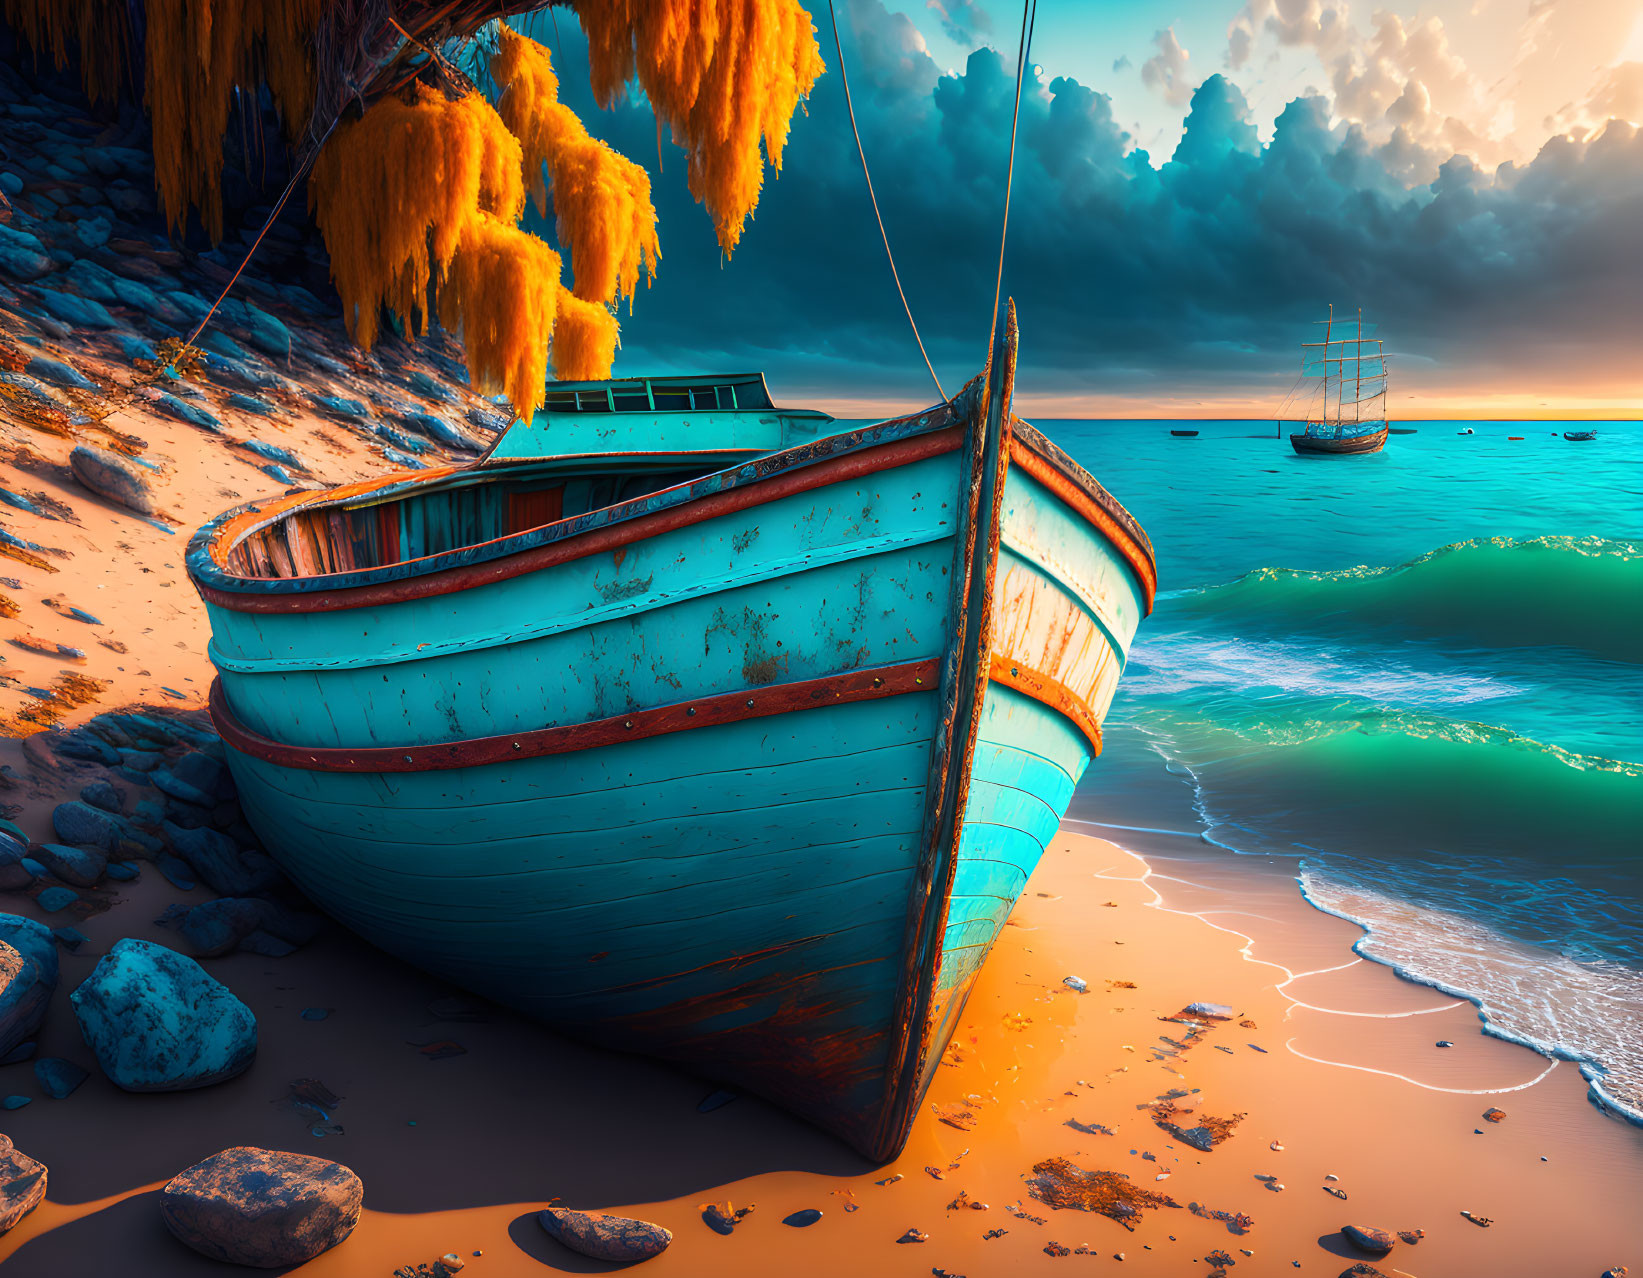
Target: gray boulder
{"points": [[222, 863], [602, 1237], [220, 926], [261, 1207], [83, 867], [111, 476], [158, 1023]]}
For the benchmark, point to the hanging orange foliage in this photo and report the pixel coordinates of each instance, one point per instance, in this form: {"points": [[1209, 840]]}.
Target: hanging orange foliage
{"points": [[99, 29], [197, 53], [725, 75], [601, 200], [419, 196]]}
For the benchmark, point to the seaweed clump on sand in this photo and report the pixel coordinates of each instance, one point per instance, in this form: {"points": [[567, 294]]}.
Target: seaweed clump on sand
{"points": [[1206, 1135], [1058, 1182]]}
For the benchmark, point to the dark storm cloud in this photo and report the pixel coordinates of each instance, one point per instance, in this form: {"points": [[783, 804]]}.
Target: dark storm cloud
{"points": [[1202, 272]]}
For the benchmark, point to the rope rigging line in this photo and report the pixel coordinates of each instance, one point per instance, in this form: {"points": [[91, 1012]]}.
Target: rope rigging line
{"points": [[1029, 16], [872, 195]]}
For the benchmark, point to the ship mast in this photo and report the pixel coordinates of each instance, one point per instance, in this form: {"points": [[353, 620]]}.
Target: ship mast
{"points": [[1367, 384]]}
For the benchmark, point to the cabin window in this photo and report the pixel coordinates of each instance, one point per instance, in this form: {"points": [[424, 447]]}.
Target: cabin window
{"points": [[593, 401], [561, 401], [630, 400], [672, 398]]}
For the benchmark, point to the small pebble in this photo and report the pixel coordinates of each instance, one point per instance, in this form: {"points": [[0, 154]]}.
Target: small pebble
{"points": [[15, 1102], [802, 1219]]}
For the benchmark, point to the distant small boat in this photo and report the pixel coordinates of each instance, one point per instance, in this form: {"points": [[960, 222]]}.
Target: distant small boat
{"points": [[1402, 430], [1184, 434], [1346, 371], [1518, 437], [1578, 436], [1467, 431]]}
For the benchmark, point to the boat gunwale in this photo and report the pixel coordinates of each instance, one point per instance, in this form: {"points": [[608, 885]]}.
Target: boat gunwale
{"points": [[209, 548], [486, 562]]}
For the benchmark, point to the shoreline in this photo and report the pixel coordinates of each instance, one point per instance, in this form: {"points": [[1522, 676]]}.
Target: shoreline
{"points": [[1591, 1068]]}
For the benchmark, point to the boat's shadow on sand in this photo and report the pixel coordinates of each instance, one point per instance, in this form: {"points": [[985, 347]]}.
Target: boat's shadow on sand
{"points": [[518, 1115]]}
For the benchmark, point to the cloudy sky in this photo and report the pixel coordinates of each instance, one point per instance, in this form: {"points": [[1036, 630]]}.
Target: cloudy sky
{"points": [[1195, 183]]}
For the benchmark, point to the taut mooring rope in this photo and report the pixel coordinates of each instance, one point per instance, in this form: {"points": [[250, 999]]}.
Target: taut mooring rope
{"points": [[1029, 15], [894, 274]]}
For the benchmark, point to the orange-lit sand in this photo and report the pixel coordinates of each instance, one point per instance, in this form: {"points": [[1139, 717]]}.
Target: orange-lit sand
{"points": [[457, 1154]]}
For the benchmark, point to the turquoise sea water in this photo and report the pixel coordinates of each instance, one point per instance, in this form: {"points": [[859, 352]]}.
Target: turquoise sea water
{"points": [[1420, 674]]}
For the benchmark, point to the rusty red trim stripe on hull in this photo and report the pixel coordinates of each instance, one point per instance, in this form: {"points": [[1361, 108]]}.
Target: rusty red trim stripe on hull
{"points": [[901, 452], [1135, 556], [1052, 692], [729, 707]]}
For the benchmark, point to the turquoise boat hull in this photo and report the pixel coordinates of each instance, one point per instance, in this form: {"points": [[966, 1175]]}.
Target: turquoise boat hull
{"points": [[727, 774]]}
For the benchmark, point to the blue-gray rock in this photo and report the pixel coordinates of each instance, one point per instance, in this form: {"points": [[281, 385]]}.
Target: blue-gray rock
{"points": [[57, 1077], [102, 794], [602, 1237], [158, 1023], [22, 256], [196, 308], [14, 874], [114, 477], [56, 898], [176, 872], [75, 744], [25, 988], [22, 1184], [233, 372], [11, 184], [399, 439], [219, 861], [134, 347], [177, 788], [351, 410], [441, 432], [123, 871], [403, 460], [278, 474], [220, 926], [83, 867], [190, 413], [428, 387], [222, 344], [80, 823], [93, 232], [251, 404], [488, 419], [262, 1208], [90, 280], [256, 327], [273, 453], [58, 373], [79, 311]]}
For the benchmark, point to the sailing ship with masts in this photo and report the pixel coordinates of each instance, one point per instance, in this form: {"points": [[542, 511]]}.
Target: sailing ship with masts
{"points": [[1347, 408]]}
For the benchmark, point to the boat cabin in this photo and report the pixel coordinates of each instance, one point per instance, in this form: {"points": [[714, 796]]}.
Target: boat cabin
{"points": [[594, 445]]}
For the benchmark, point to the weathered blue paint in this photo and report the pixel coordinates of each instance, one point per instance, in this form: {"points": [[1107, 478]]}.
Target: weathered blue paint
{"points": [[734, 897]]}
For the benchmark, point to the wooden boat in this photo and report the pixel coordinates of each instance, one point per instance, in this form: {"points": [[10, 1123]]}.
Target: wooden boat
{"points": [[1372, 442], [1350, 414], [1184, 434], [691, 731], [1403, 430], [1579, 436]]}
